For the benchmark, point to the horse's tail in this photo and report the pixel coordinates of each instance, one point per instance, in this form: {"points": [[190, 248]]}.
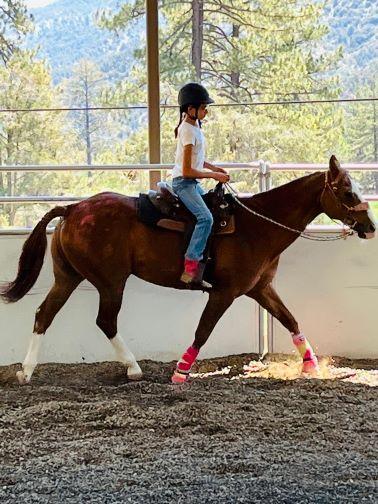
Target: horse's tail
{"points": [[31, 259]]}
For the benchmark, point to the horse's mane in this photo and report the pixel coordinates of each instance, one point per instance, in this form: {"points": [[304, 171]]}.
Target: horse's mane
{"points": [[272, 194]]}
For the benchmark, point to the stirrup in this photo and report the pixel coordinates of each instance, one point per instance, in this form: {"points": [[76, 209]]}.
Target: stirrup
{"points": [[194, 282]]}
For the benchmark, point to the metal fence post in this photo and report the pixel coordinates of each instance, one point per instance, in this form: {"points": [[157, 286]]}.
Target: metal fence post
{"points": [[265, 319], [269, 317], [263, 336]]}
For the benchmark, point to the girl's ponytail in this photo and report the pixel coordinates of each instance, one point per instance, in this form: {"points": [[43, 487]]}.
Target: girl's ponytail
{"points": [[182, 110]]}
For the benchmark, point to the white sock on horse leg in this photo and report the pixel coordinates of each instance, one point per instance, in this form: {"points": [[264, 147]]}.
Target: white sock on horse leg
{"points": [[31, 359], [125, 356]]}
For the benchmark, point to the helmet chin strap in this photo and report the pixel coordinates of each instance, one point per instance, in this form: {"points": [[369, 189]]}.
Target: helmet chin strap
{"points": [[193, 118]]}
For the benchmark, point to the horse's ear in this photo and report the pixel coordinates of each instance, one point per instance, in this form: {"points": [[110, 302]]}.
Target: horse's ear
{"points": [[334, 167]]}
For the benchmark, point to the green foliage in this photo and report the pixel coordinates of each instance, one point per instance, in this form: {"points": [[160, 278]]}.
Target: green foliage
{"points": [[361, 133], [14, 24], [242, 51], [251, 50], [30, 138]]}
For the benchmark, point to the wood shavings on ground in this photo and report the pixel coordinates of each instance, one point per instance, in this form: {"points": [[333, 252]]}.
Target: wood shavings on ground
{"points": [[224, 371], [291, 370]]}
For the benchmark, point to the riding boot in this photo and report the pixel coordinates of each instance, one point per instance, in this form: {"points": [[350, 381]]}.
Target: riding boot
{"points": [[193, 274]]}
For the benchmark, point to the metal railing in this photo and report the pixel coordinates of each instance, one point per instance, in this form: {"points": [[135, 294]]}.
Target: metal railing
{"points": [[264, 168]]}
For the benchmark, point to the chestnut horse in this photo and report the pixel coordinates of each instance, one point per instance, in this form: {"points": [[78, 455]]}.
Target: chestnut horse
{"points": [[101, 239]]}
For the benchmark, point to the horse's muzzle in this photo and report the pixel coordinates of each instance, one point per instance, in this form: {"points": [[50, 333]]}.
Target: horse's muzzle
{"points": [[367, 236], [365, 231]]}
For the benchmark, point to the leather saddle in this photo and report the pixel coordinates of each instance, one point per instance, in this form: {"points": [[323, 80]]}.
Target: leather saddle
{"points": [[163, 208]]}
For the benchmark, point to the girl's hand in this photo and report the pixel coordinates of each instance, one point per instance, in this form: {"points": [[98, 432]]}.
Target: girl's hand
{"points": [[220, 170], [221, 177]]}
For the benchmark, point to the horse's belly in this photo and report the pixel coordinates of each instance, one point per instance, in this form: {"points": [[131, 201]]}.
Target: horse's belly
{"points": [[158, 255]]}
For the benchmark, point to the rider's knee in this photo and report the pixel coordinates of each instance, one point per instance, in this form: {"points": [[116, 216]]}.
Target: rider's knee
{"points": [[207, 219]]}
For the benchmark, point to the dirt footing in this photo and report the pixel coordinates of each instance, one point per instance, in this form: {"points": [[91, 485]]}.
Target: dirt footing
{"points": [[84, 433]]}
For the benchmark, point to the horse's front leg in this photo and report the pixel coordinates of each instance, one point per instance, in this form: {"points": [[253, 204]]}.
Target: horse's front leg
{"points": [[216, 306], [268, 298]]}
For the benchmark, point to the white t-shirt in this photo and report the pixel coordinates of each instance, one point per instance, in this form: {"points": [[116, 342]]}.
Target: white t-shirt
{"points": [[188, 134]]}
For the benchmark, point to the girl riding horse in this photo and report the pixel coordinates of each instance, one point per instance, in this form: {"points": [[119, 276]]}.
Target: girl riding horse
{"points": [[190, 165]]}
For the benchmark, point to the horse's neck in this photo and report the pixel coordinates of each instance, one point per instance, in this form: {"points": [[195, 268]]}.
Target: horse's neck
{"points": [[294, 204]]}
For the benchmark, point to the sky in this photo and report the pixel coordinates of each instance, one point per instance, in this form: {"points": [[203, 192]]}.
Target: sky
{"points": [[37, 3]]}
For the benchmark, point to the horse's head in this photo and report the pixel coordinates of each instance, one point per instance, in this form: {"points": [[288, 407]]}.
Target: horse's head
{"points": [[342, 200]]}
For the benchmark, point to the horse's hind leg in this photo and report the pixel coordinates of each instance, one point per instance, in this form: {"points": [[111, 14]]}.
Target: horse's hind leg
{"points": [[65, 284], [110, 304]]}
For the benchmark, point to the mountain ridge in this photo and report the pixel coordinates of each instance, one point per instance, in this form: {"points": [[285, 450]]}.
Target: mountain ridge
{"points": [[66, 32]]}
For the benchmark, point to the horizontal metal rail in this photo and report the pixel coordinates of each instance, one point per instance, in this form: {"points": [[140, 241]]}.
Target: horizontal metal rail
{"points": [[320, 166], [115, 167], [40, 199], [61, 199], [312, 228], [265, 170], [264, 167], [169, 166]]}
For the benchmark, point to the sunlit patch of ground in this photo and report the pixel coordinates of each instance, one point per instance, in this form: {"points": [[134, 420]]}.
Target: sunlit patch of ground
{"points": [[282, 368]]}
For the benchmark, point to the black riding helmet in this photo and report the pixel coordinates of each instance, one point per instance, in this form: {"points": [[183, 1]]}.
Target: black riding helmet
{"points": [[193, 94]]}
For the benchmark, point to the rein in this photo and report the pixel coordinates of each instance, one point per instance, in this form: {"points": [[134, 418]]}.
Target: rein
{"points": [[343, 235]]}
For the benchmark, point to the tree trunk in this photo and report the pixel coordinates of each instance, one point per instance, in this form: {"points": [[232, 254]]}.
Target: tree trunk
{"points": [[87, 131], [2, 188], [235, 76], [197, 36]]}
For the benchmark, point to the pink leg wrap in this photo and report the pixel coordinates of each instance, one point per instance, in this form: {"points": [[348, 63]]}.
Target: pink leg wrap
{"points": [[184, 365], [310, 361]]}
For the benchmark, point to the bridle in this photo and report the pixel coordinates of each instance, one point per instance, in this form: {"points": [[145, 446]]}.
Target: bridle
{"points": [[332, 187]]}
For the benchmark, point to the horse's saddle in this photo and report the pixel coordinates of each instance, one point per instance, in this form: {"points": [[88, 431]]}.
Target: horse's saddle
{"points": [[163, 208]]}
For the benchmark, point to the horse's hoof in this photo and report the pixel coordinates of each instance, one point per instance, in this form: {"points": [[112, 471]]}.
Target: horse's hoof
{"points": [[134, 373], [311, 367], [179, 378], [22, 379]]}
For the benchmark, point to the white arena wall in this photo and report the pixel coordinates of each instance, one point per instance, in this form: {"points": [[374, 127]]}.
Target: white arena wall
{"points": [[331, 288]]}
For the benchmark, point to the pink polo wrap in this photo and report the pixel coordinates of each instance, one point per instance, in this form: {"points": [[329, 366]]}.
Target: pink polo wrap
{"points": [[187, 360], [310, 361], [184, 365]]}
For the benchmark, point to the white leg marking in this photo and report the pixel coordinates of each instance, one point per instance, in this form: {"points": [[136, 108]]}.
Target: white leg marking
{"points": [[30, 361], [125, 356]]}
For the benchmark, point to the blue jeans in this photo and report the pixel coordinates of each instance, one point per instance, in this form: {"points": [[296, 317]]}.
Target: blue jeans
{"points": [[190, 193]]}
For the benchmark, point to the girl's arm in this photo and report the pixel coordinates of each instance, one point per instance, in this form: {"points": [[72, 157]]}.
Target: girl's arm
{"points": [[187, 170], [214, 168]]}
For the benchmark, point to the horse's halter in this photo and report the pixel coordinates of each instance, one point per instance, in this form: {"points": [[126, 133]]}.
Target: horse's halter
{"points": [[332, 187]]}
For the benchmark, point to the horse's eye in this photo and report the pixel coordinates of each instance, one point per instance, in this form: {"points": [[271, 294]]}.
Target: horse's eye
{"points": [[349, 194]]}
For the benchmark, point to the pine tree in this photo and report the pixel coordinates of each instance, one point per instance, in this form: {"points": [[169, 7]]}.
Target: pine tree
{"points": [[362, 132], [14, 23], [30, 138], [83, 90], [246, 51]]}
